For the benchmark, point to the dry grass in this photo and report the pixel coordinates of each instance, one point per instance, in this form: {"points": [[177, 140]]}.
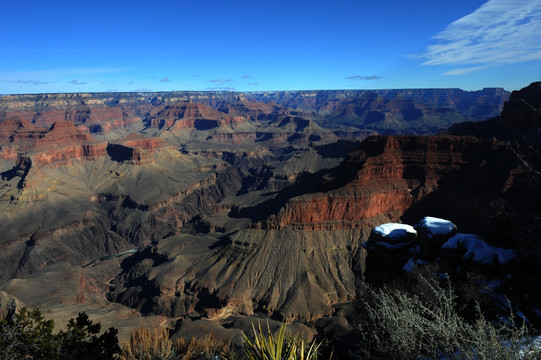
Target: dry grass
{"points": [[148, 344], [154, 344], [204, 348]]}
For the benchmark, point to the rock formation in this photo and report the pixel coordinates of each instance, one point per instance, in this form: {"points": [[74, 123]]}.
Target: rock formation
{"points": [[226, 205], [387, 178], [9, 306], [389, 247], [433, 233]]}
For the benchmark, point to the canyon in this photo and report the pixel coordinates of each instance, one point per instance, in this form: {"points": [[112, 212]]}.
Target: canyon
{"points": [[201, 211]]}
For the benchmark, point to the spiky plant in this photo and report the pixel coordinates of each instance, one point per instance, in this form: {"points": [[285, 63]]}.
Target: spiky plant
{"points": [[280, 347]]}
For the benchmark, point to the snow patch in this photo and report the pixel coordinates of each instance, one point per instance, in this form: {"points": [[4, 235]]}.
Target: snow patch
{"points": [[436, 226], [477, 250], [395, 231]]}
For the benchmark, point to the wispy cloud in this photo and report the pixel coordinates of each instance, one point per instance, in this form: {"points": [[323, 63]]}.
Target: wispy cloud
{"points": [[253, 83], [77, 82], [246, 77], [220, 81], [363, 77], [221, 88], [463, 71], [499, 32], [164, 79], [29, 82]]}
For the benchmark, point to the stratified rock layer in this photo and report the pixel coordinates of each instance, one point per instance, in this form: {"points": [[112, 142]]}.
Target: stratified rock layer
{"points": [[307, 239]]}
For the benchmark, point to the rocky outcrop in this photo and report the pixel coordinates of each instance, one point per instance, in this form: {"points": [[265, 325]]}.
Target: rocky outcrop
{"points": [[519, 123], [464, 251], [9, 306], [523, 108], [388, 249], [391, 175], [395, 248], [63, 142], [134, 149], [433, 233]]}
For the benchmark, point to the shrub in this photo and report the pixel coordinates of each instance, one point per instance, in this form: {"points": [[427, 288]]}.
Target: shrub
{"points": [[406, 326], [30, 336], [81, 340]]}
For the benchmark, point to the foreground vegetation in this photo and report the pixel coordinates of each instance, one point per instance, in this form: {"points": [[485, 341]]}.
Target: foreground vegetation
{"points": [[430, 324], [427, 321], [29, 336], [262, 345]]}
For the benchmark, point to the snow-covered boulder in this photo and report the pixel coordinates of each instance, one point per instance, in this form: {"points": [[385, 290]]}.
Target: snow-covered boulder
{"points": [[472, 248], [433, 233], [388, 249], [392, 239]]}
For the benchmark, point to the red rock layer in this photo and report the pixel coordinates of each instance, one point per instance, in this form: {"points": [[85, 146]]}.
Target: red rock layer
{"points": [[64, 141], [391, 174], [187, 114]]}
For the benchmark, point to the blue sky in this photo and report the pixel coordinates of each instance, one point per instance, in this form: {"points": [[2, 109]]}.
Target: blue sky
{"points": [[71, 46]]}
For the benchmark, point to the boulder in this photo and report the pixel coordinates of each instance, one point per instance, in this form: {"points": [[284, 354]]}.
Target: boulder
{"points": [[469, 250], [432, 234], [388, 249]]}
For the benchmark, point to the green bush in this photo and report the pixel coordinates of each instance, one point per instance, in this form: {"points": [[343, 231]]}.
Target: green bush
{"points": [[30, 336], [407, 326]]}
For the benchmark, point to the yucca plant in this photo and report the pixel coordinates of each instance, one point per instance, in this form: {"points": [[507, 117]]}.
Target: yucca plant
{"points": [[280, 347]]}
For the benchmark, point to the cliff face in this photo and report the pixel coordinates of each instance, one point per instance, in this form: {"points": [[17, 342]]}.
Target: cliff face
{"points": [[401, 111], [307, 239], [63, 141], [519, 123], [419, 111], [523, 108], [406, 176]]}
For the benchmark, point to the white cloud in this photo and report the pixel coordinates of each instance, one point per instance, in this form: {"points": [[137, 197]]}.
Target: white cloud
{"points": [[499, 32], [463, 71]]}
